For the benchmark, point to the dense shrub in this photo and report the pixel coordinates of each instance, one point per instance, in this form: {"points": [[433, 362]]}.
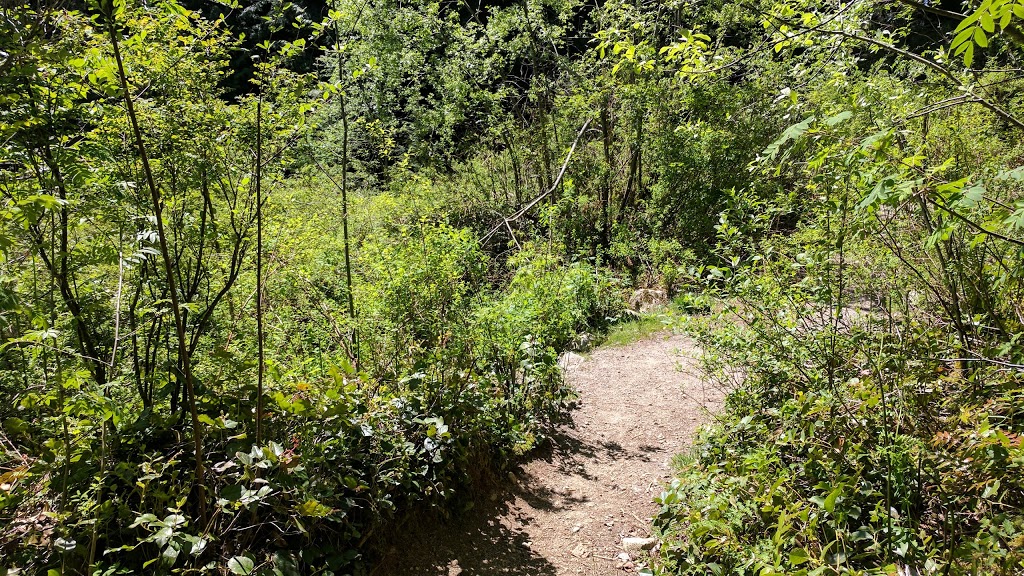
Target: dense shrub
{"points": [[874, 421]]}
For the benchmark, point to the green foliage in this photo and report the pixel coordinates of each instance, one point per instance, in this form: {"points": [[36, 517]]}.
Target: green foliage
{"points": [[360, 430], [844, 198], [870, 351], [551, 300], [974, 30], [415, 295]]}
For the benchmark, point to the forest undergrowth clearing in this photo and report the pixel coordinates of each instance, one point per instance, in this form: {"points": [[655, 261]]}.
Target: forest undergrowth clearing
{"points": [[568, 510]]}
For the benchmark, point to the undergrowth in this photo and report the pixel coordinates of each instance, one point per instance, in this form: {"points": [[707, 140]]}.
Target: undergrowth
{"points": [[874, 423]]}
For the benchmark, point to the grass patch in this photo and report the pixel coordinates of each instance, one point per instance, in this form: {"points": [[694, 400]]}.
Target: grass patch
{"points": [[629, 331]]}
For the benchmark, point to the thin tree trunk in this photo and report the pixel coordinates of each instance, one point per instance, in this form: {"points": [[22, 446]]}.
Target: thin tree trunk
{"points": [[606, 191], [169, 271], [57, 264], [260, 339], [344, 200]]}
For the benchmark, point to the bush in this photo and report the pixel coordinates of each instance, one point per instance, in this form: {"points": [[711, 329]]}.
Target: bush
{"points": [[545, 309]]}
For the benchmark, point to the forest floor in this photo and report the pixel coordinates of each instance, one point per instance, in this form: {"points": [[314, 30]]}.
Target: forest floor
{"points": [[567, 510]]}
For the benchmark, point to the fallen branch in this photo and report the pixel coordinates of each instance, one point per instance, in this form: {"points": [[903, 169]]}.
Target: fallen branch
{"points": [[519, 213]]}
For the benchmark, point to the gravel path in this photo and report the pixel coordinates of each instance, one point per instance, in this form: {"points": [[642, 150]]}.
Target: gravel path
{"points": [[567, 511]]}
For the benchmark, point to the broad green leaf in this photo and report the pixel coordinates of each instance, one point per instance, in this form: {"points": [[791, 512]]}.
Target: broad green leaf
{"points": [[174, 520], [1016, 220], [962, 37], [861, 535], [198, 545], [979, 38], [798, 556], [170, 554], [15, 425], [241, 565], [830, 502], [791, 133], [1014, 174], [144, 519], [987, 22], [991, 490], [969, 21], [232, 493]]}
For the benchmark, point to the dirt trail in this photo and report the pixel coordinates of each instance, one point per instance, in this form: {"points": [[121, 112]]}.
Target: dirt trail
{"points": [[566, 511]]}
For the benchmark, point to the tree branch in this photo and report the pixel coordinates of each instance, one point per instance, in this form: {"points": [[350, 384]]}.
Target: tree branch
{"points": [[519, 213]]}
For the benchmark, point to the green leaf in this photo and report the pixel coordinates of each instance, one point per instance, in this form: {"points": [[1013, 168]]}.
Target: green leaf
{"points": [[969, 21], [798, 556], [244, 458], [830, 502], [979, 38], [313, 509], [861, 535], [198, 546], [144, 519], [170, 555], [791, 133], [991, 490], [972, 196], [285, 566], [232, 493], [1005, 20], [838, 118], [174, 520], [241, 565], [178, 9], [1014, 174], [987, 22], [15, 425], [962, 37]]}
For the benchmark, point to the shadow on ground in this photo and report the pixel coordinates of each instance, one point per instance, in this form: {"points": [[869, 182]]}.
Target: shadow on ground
{"points": [[488, 539], [567, 509], [568, 451], [475, 544]]}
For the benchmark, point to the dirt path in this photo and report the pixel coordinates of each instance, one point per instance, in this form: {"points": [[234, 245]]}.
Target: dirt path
{"points": [[567, 511]]}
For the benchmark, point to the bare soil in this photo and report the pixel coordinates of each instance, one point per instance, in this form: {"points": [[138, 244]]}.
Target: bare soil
{"points": [[567, 510]]}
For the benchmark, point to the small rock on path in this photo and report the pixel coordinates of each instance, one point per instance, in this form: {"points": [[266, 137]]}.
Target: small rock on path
{"points": [[568, 510]]}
